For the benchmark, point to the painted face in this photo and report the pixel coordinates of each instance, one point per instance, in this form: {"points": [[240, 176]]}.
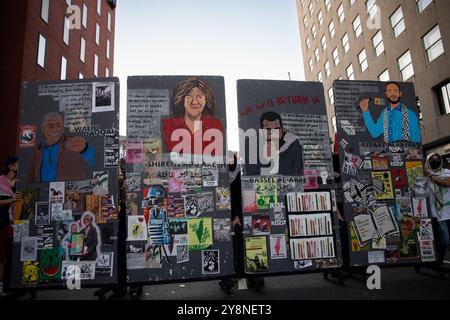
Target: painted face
{"points": [[274, 128], [194, 102], [53, 130], [393, 93], [87, 221], [74, 228]]}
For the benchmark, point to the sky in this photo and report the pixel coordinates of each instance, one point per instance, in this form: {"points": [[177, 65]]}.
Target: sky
{"points": [[236, 39]]}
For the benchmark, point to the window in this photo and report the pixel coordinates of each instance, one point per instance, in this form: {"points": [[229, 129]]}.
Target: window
{"points": [[333, 121], [340, 13], [357, 26], [305, 21], [328, 4], [319, 76], [362, 57], [69, 3], [316, 52], [106, 72], [331, 95], [311, 9], [336, 56], [311, 66], [433, 43], [63, 68], [327, 69], [345, 43], [41, 51], [384, 76], [423, 4], [397, 22], [444, 98], [44, 10], [107, 48], [378, 44], [99, 7], [66, 30], [313, 31], [324, 43], [109, 21], [372, 9], [350, 73], [97, 34], [340, 78], [352, 2], [331, 29], [80, 76], [95, 65], [320, 17], [83, 50], [405, 65], [308, 42], [85, 16]]}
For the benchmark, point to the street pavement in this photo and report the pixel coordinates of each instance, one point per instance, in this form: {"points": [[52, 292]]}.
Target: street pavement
{"points": [[400, 283]]}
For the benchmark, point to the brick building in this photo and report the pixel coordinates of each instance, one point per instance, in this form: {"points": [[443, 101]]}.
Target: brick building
{"points": [[412, 44], [40, 44]]}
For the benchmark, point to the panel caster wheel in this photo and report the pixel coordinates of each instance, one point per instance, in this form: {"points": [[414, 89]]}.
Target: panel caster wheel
{"points": [[101, 297]]}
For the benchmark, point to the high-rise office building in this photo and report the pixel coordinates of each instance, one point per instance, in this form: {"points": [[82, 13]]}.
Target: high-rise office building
{"points": [[50, 40], [341, 39]]}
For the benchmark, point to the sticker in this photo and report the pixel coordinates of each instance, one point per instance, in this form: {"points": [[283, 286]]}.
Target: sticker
{"points": [[27, 136], [28, 249], [278, 246], [222, 230]]}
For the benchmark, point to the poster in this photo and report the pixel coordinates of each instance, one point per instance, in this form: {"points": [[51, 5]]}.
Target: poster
{"points": [[69, 150], [287, 175], [392, 188], [256, 258], [177, 179]]}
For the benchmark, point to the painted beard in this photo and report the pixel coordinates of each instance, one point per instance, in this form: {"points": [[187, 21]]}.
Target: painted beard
{"points": [[394, 101]]}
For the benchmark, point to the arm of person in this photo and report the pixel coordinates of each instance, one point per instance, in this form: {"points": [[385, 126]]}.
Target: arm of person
{"points": [[6, 202], [414, 127], [375, 128], [88, 154], [443, 182]]}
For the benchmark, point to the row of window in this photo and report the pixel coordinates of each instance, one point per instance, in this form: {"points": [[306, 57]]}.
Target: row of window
{"points": [[432, 42], [43, 41], [42, 45]]}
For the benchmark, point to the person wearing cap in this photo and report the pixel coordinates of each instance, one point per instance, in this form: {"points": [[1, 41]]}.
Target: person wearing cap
{"points": [[439, 179], [8, 196]]}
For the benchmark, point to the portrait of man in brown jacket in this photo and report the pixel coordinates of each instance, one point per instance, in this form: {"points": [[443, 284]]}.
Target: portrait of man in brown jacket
{"points": [[58, 157]]}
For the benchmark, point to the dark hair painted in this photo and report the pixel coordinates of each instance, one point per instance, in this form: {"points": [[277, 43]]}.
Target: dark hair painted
{"points": [[11, 160], [270, 116], [182, 90], [393, 82]]}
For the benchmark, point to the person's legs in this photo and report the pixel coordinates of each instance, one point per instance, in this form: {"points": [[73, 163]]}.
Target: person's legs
{"points": [[442, 241]]}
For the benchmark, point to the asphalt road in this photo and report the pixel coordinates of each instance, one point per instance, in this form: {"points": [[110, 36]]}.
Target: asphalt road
{"points": [[396, 283]]}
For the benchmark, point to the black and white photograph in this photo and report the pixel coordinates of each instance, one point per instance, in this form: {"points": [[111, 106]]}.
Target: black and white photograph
{"points": [[210, 262], [42, 217], [28, 249], [103, 97]]}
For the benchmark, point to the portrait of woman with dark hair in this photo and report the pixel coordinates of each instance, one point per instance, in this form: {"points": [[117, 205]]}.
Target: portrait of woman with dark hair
{"points": [[193, 103]]}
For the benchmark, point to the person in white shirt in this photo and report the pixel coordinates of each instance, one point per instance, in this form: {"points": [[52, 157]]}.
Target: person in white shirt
{"points": [[439, 179]]}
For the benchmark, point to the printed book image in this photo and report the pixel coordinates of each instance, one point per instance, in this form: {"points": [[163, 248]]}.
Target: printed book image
{"points": [[256, 257]]}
